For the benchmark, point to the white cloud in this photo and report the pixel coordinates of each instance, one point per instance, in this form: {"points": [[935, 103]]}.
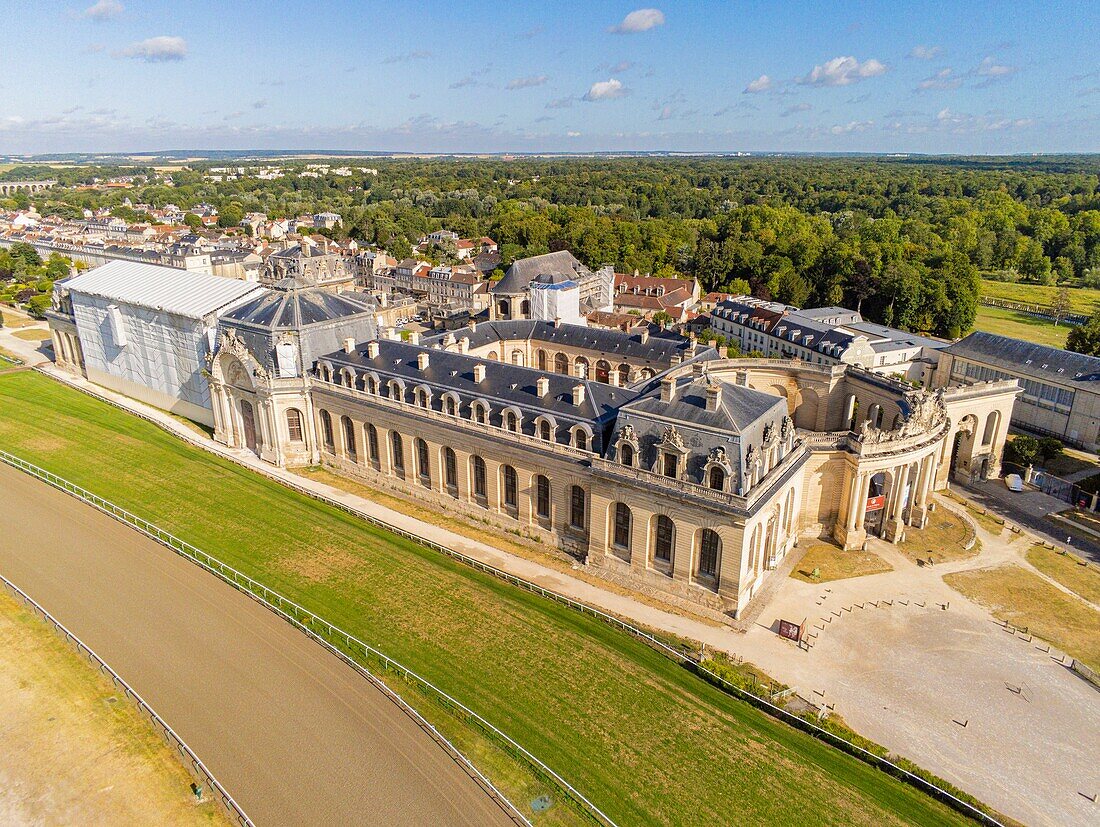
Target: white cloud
{"points": [[795, 109], [104, 10], [573, 134], [943, 79], [926, 52], [527, 82], [640, 20], [605, 90], [156, 49], [850, 127], [761, 84], [990, 68], [842, 71]]}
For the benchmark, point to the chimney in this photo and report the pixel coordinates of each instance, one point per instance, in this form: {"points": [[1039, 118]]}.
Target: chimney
{"points": [[479, 373], [422, 361], [557, 321], [714, 397], [676, 359], [542, 386], [349, 345], [668, 389], [696, 370], [644, 335], [372, 350], [472, 325], [414, 337], [578, 395], [613, 378]]}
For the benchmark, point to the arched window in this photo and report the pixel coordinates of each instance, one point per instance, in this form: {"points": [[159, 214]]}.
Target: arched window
{"points": [[542, 496], [561, 363], [663, 539], [398, 446], [624, 374], [603, 371], [326, 432], [479, 476], [478, 413], [580, 367], [541, 360], [502, 308], [450, 471], [511, 487], [423, 467], [517, 357], [710, 546], [577, 507], [717, 478], [621, 534], [349, 439], [421, 398], [525, 308], [626, 454], [452, 406], [397, 391], [493, 356], [294, 424], [511, 423], [646, 373], [545, 431], [372, 385], [580, 439], [372, 443]]}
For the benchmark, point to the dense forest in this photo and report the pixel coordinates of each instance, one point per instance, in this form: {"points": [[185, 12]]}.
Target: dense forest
{"points": [[905, 240]]}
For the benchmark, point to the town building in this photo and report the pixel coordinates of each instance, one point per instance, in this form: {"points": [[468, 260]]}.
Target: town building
{"points": [[320, 263], [560, 273], [649, 295]]}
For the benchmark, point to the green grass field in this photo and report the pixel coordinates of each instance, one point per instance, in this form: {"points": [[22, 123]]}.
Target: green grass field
{"points": [[1081, 299], [1019, 326], [645, 739]]}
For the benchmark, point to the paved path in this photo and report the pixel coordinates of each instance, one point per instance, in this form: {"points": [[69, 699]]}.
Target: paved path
{"points": [[294, 734], [1033, 774]]}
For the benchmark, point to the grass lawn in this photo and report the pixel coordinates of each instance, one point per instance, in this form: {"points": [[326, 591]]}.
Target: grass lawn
{"points": [[33, 334], [1018, 326], [75, 750], [645, 739], [990, 522], [1068, 570], [1025, 599], [14, 320], [943, 538], [833, 563], [1081, 299]]}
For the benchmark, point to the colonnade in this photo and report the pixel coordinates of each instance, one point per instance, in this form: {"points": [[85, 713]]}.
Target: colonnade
{"points": [[907, 491]]}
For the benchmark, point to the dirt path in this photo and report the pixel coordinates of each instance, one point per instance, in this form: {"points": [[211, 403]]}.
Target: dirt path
{"points": [[294, 734], [75, 751]]}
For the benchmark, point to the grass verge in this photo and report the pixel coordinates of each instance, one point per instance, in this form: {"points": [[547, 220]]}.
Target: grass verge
{"points": [[1023, 599], [1020, 326], [33, 334], [943, 539], [832, 563], [1071, 571], [621, 722]]}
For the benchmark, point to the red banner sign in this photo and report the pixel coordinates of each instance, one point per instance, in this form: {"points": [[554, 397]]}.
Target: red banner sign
{"points": [[876, 503]]}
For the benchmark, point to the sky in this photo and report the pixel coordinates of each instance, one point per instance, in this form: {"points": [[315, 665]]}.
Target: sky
{"points": [[917, 77]]}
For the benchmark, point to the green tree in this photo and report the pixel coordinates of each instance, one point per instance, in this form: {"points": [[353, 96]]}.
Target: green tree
{"points": [[230, 216], [1085, 338], [193, 221], [1061, 304], [1022, 450]]}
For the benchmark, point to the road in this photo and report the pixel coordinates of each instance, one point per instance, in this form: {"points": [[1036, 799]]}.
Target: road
{"points": [[294, 734]]}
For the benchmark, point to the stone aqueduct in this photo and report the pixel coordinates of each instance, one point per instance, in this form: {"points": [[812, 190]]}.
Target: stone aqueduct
{"points": [[12, 187]]}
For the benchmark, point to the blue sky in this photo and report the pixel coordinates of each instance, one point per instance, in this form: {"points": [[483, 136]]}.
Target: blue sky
{"points": [[968, 77]]}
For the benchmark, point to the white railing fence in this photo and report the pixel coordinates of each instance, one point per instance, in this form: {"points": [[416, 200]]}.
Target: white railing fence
{"points": [[191, 762]]}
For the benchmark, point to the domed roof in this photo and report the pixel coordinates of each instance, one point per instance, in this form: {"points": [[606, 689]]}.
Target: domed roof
{"points": [[291, 305]]}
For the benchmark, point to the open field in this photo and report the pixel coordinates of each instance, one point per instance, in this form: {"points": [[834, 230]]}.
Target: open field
{"points": [[1023, 599], [1020, 326], [1081, 299], [1068, 570], [642, 737], [833, 563], [75, 750]]}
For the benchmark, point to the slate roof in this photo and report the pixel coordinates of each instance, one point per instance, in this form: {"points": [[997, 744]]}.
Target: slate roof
{"points": [[1017, 357], [524, 270], [739, 406], [292, 306], [504, 384], [657, 350]]}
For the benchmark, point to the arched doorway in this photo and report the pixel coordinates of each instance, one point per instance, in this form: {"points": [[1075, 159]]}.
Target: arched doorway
{"points": [[874, 516], [248, 423], [962, 449]]}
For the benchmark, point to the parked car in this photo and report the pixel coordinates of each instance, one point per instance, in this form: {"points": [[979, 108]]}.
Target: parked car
{"points": [[1014, 482]]}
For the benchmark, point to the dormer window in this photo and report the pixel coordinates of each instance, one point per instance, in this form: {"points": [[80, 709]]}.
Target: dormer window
{"points": [[670, 465]]}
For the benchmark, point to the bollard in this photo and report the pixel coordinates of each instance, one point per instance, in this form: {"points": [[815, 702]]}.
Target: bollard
{"points": [[197, 790]]}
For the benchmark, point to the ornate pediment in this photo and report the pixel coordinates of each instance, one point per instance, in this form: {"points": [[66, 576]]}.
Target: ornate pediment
{"points": [[670, 438], [627, 434]]}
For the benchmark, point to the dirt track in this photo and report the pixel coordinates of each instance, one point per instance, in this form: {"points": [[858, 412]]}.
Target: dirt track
{"points": [[294, 734]]}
